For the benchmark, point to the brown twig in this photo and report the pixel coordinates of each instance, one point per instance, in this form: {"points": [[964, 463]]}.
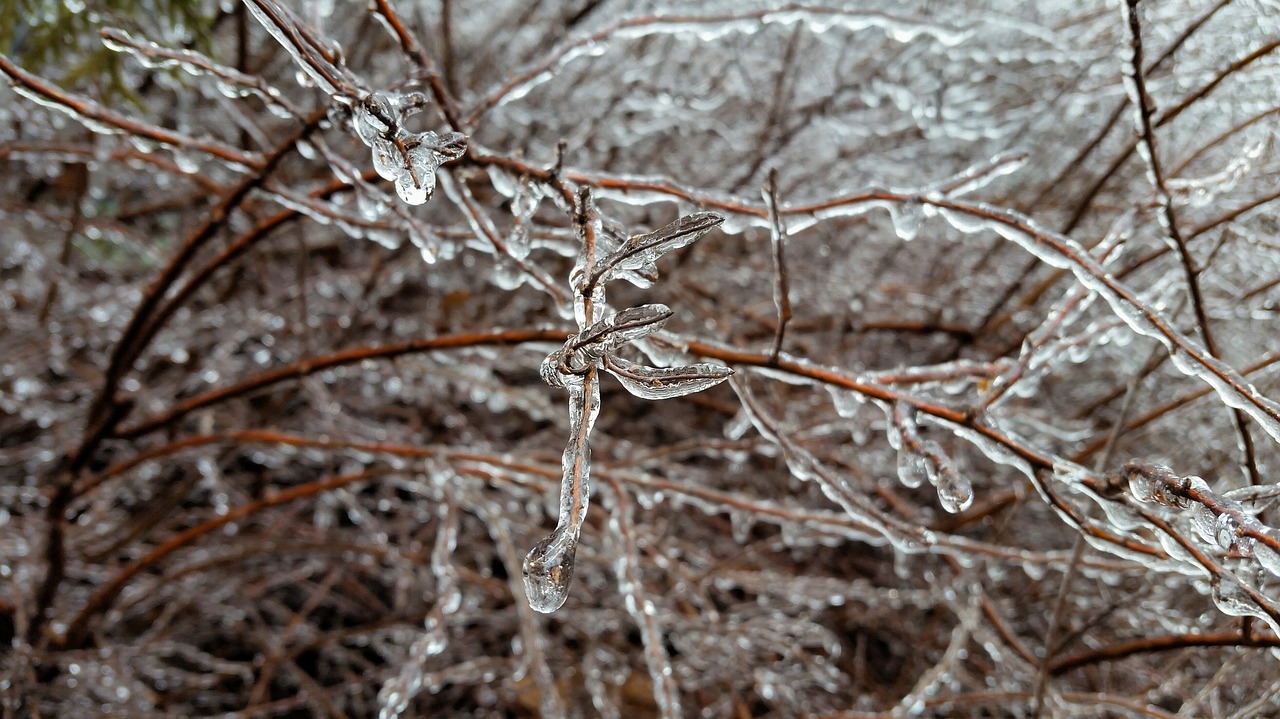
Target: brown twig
{"points": [[311, 365], [411, 47], [781, 289], [93, 114], [1121, 650], [77, 629]]}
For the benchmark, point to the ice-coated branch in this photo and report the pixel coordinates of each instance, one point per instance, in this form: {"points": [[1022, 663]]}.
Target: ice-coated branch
{"points": [[575, 367], [414, 50], [781, 283], [1221, 522], [231, 82], [523, 81], [1218, 519], [641, 251], [626, 567], [318, 56], [1136, 84], [398, 691], [101, 119], [408, 159]]}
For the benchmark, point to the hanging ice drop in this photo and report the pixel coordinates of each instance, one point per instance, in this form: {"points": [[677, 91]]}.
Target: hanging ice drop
{"points": [[955, 494], [907, 218], [911, 468], [417, 182], [548, 570]]}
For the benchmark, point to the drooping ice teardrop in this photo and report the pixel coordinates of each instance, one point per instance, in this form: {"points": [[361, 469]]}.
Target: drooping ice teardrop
{"points": [[548, 570]]}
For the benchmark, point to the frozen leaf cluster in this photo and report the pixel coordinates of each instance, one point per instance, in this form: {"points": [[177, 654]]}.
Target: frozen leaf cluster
{"points": [[408, 159]]}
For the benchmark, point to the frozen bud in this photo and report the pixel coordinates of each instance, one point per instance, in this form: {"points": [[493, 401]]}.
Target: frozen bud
{"points": [[629, 325], [641, 251], [411, 104], [665, 382], [637, 322], [377, 112], [446, 148], [1180, 489]]}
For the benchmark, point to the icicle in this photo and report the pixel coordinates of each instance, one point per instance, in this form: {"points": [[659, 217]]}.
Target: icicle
{"points": [[907, 218], [912, 471]]}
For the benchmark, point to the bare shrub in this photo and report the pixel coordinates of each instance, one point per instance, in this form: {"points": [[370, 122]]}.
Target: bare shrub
{"points": [[996, 284]]}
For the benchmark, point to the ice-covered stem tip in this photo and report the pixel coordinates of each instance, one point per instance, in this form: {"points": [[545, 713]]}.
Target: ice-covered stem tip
{"points": [[548, 568]]}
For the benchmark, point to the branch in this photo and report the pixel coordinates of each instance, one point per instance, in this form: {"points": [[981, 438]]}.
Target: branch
{"points": [[100, 119], [309, 366]]}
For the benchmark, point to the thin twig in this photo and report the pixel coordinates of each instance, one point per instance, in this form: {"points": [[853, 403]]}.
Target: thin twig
{"points": [[781, 284], [93, 114], [77, 629], [311, 365]]}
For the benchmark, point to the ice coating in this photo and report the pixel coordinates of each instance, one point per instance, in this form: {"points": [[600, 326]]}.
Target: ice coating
{"points": [[548, 568], [548, 571], [409, 160], [666, 382]]}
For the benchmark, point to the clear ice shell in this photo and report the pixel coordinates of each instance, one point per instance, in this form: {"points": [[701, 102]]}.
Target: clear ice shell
{"points": [[666, 383], [387, 159], [955, 494], [416, 183], [548, 571]]}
